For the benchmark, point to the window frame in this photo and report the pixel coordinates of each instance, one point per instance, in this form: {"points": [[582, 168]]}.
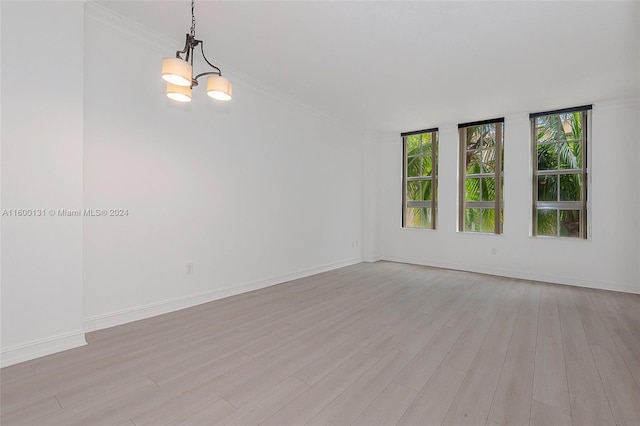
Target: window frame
{"points": [[498, 203], [433, 178], [584, 172]]}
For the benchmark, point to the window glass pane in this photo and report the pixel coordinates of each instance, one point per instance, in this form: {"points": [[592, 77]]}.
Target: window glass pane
{"points": [[489, 138], [571, 126], [570, 186], [570, 155], [488, 220], [550, 129], [548, 222], [481, 136], [570, 223], [488, 160], [488, 189], [547, 188], [414, 192], [426, 190], [426, 165], [548, 156], [473, 189], [418, 218], [414, 165], [473, 220], [413, 145], [474, 162], [426, 144], [542, 135]]}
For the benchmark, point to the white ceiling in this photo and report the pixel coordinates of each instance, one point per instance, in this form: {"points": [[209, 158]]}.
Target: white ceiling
{"points": [[399, 66]]}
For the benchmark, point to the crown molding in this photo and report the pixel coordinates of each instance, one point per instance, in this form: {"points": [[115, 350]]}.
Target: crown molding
{"points": [[620, 103], [111, 20]]}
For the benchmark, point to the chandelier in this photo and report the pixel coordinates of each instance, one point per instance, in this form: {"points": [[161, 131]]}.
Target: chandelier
{"points": [[178, 71]]}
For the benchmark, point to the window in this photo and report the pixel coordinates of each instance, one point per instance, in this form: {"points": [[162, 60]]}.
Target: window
{"points": [[481, 176], [559, 142], [420, 183]]}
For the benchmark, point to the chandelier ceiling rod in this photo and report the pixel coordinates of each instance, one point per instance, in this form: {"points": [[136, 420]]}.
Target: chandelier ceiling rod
{"points": [[178, 71]]}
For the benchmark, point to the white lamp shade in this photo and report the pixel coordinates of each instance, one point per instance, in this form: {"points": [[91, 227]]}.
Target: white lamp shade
{"points": [[176, 71], [219, 88], [179, 93]]}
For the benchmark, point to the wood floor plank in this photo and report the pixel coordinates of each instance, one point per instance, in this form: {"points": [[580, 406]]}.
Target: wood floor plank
{"points": [[16, 372], [418, 338], [621, 389], [32, 412], [316, 370], [372, 343], [549, 415], [629, 347], [175, 409], [388, 407], [210, 414], [416, 374], [204, 355], [353, 401], [321, 394], [91, 411], [118, 375], [589, 404], [473, 400], [20, 393], [435, 398], [605, 304], [550, 376], [292, 361], [511, 403], [549, 316], [268, 404]]}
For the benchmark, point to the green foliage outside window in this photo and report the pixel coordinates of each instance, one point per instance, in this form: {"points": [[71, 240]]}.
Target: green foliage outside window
{"points": [[559, 145], [420, 180]]}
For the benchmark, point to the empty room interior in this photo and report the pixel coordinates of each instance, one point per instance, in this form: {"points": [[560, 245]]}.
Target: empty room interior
{"points": [[320, 212]]}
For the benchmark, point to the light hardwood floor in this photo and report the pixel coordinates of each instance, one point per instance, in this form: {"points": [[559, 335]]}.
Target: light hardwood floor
{"points": [[369, 344]]}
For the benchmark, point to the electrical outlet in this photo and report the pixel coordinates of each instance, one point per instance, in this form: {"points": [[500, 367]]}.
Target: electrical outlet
{"points": [[189, 268], [494, 251]]}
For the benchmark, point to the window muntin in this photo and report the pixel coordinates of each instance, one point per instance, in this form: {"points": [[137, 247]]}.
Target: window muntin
{"points": [[481, 176], [420, 179], [559, 142]]}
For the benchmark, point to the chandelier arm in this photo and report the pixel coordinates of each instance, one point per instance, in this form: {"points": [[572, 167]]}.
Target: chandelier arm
{"points": [[205, 58], [206, 73], [185, 49]]}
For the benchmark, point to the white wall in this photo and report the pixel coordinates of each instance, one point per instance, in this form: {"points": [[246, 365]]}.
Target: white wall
{"points": [[608, 260], [255, 191], [42, 124]]}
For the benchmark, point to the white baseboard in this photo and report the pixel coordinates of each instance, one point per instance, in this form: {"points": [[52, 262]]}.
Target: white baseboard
{"points": [[372, 259], [38, 348], [600, 285], [136, 313]]}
